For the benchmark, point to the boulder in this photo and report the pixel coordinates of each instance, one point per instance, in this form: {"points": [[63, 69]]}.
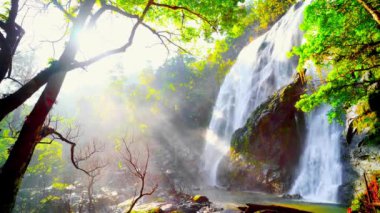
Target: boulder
{"points": [[200, 199], [266, 150]]}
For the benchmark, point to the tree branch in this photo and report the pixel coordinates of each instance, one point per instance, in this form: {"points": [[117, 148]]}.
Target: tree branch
{"points": [[107, 7], [60, 7], [15, 80], [174, 7], [14, 100], [374, 13], [116, 50], [13, 13], [138, 170]]}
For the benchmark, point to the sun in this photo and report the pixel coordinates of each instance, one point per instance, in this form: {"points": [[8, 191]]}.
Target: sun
{"points": [[110, 33]]}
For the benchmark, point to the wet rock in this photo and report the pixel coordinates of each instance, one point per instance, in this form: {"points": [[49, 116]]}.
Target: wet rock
{"points": [[200, 199], [266, 150], [207, 209], [168, 207], [290, 196], [190, 207]]}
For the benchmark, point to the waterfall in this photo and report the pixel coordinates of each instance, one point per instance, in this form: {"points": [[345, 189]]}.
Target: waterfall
{"points": [[261, 68], [320, 171]]}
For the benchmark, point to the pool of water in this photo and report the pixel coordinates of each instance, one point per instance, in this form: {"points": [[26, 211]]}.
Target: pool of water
{"points": [[232, 199]]}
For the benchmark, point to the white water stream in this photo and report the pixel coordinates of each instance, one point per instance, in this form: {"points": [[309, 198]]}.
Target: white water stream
{"points": [[320, 171], [262, 68]]}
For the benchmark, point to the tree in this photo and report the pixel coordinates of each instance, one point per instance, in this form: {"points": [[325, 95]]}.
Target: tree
{"points": [[343, 42], [93, 168], [138, 169], [159, 17]]}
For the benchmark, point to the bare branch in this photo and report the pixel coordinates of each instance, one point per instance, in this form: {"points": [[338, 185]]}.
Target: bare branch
{"points": [[14, 80], [55, 135], [139, 171], [116, 50], [107, 7]]}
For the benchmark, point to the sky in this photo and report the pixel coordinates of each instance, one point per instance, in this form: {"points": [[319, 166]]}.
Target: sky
{"points": [[44, 26], [46, 35]]}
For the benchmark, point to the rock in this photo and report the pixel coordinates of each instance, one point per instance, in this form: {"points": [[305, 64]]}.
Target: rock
{"points": [[207, 209], [200, 199], [190, 207], [168, 207], [265, 152], [269, 208], [290, 196]]}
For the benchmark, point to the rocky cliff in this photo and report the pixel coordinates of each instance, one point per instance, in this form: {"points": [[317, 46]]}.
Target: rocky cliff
{"points": [[266, 150]]}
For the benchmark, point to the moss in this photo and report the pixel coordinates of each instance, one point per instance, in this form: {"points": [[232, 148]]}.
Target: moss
{"points": [[269, 144], [287, 95], [152, 210], [196, 197]]}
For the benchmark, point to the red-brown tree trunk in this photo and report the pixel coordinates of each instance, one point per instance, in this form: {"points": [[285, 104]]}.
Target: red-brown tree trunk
{"points": [[13, 170], [12, 101], [19, 157]]}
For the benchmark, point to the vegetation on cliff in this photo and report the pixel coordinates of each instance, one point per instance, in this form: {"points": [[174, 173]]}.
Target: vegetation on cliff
{"points": [[343, 43]]}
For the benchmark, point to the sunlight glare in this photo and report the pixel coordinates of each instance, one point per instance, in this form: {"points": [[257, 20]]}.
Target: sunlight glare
{"points": [[142, 54]]}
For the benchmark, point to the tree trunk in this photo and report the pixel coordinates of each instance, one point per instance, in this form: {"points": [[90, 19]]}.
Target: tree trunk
{"points": [[11, 102], [14, 168], [90, 198], [5, 63], [13, 36]]}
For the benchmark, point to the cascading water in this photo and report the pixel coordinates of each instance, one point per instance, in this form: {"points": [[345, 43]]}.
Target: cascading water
{"points": [[261, 68], [320, 171]]}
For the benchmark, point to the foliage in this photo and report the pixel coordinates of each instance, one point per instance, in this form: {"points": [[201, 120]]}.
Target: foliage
{"points": [[48, 158], [265, 12], [343, 43], [5, 143], [260, 15], [219, 13], [173, 22], [49, 199], [361, 202]]}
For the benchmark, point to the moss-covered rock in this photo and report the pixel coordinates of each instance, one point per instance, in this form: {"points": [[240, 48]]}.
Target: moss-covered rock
{"points": [[200, 199], [265, 152]]}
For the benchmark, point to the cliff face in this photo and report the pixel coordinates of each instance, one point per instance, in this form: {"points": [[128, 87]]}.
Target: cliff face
{"points": [[266, 151], [361, 155]]}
